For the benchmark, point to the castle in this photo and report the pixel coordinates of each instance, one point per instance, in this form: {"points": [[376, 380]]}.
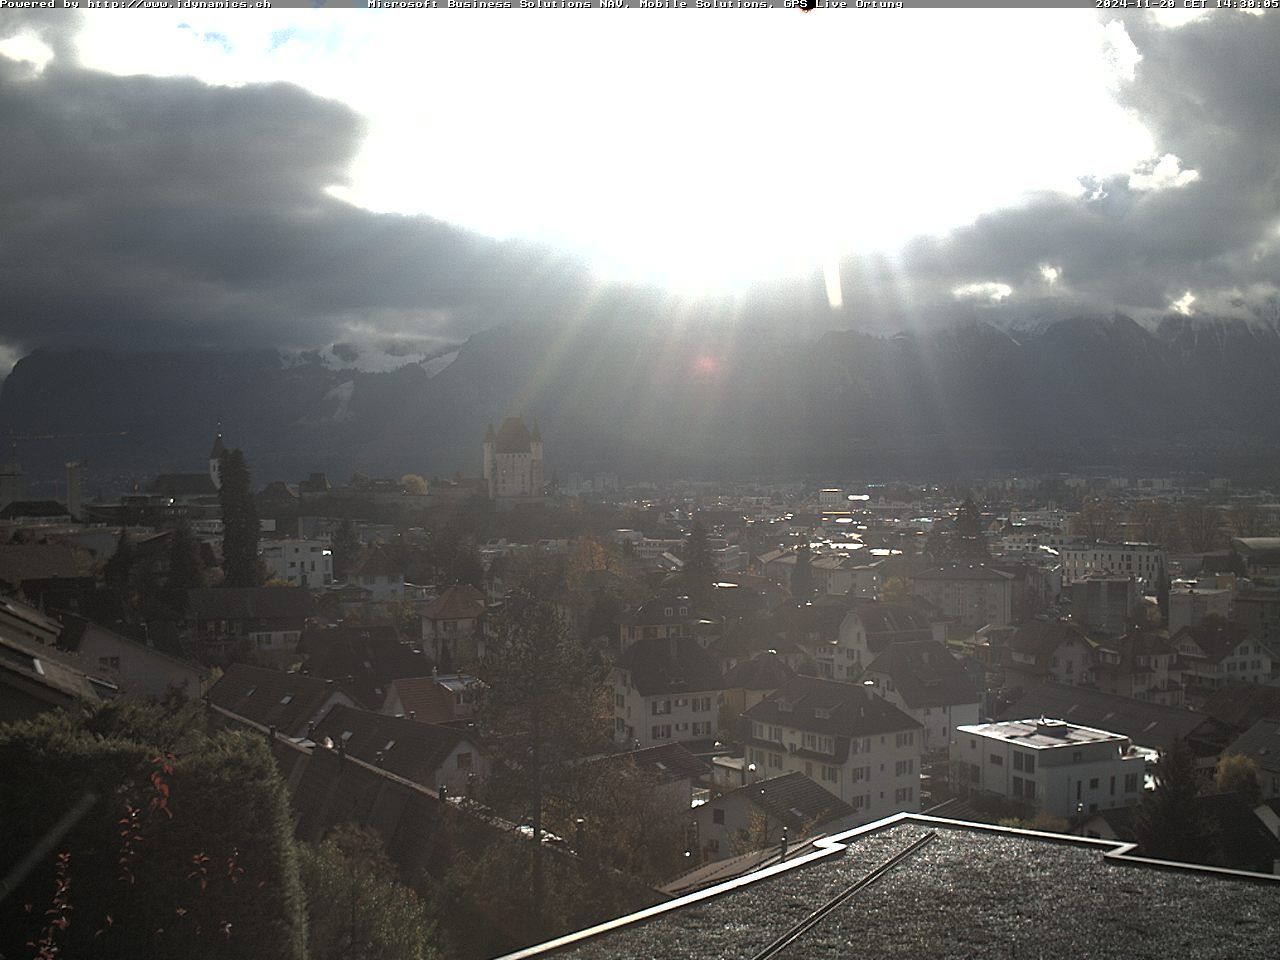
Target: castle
{"points": [[513, 460]]}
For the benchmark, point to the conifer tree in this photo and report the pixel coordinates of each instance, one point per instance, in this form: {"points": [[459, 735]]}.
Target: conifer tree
{"points": [[239, 523], [1169, 824], [699, 567]]}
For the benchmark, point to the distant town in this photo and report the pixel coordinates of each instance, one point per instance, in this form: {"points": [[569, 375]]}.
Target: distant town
{"points": [[501, 708]]}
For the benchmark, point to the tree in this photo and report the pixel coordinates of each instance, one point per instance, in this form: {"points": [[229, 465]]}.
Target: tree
{"points": [[1238, 774], [542, 709], [1154, 521], [971, 541], [414, 485], [802, 576], [1246, 519], [346, 547], [699, 572], [186, 568], [1201, 527], [1098, 519], [171, 856], [239, 523], [1169, 823], [355, 907]]}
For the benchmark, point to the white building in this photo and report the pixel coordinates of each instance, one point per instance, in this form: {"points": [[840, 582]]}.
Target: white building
{"points": [[301, 563], [842, 575], [975, 594], [865, 632], [851, 742], [1145, 562], [1188, 606], [1050, 765], [926, 681], [665, 689]]}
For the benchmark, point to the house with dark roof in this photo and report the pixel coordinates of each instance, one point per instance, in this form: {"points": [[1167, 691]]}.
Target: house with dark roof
{"points": [[377, 571], [750, 681], [1261, 744], [35, 677], [426, 753], [1151, 725], [291, 703], [18, 619], [929, 683], [664, 689], [228, 621], [976, 594], [865, 631], [35, 511], [439, 698], [1141, 664], [759, 814], [1054, 651], [137, 669], [1214, 651], [365, 657], [669, 768], [851, 742], [664, 615], [1238, 838], [453, 625]]}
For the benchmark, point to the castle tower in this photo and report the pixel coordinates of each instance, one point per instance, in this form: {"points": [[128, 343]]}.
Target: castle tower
{"points": [[489, 477], [535, 472], [215, 461]]}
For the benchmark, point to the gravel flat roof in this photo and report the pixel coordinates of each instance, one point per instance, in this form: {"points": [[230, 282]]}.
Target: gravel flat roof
{"points": [[968, 893]]}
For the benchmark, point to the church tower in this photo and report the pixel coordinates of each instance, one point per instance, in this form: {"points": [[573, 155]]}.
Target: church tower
{"points": [[215, 460]]}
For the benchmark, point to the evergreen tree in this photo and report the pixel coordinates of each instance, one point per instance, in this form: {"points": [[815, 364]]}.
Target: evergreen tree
{"points": [[802, 576], [239, 523], [346, 548], [1238, 774], [1169, 824], [699, 568], [971, 540], [116, 571], [541, 711], [186, 568]]}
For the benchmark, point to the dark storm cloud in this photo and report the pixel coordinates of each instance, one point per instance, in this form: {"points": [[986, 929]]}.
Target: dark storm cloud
{"points": [[142, 211], [1210, 94]]}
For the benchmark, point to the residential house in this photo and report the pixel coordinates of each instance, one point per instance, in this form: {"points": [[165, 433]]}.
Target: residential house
{"points": [[427, 753], [974, 593], [928, 683], [1141, 664], [838, 574], [1151, 725], [749, 682], [137, 669], [758, 814], [35, 677], [288, 702], [21, 621], [300, 563], [236, 621], [378, 572], [1239, 838], [439, 698], [1215, 651], [1257, 609], [365, 657], [1048, 765], [665, 688], [666, 615], [851, 742], [1056, 651], [865, 631], [453, 625], [672, 770]]}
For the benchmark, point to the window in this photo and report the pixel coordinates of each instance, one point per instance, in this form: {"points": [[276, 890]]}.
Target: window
{"points": [[904, 795], [1017, 762], [775, 761], [903, 767], [1093, 784], [997, 760], [661, 707], [661, 731], [1130, 783], [830, 774], [717, 816], [905, 739], [1031, 789], [111, 663]]}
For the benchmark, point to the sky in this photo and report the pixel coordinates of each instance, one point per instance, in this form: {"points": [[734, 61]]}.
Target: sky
{"points": [[296, 178]]}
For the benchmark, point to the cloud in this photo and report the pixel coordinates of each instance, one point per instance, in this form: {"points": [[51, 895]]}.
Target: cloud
{"points": [[157, 212]]}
